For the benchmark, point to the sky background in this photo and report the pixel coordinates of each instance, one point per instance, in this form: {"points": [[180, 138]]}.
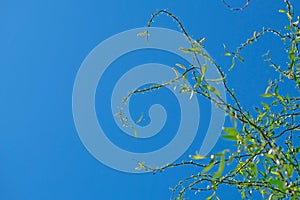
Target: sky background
{"points": [[43, 44]]}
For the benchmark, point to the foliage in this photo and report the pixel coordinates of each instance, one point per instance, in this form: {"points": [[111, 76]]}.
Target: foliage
{"points": [[266, 155]]}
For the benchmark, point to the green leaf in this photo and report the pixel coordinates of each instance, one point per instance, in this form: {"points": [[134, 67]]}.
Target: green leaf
{"points": [[289, 28], [232, 134], [203, 70], [135, 133], [141, 166], [211, 196], [276, 90], [270, 156], [212, 89], [232, 64], [139, 119], [267, 95], [266, 106], [190, 50], [197, 157], [263, 174], [227, 54], [231, 131], [243, 194], [289, 16], [199, 80], [184, 79], [215, 80], [142, 33], [278, 183], [280, 98], [290, 170], [221, 168], [229, 137], [254, 169], [180, 66], [175, 71], [240, 58], [210, 165]]}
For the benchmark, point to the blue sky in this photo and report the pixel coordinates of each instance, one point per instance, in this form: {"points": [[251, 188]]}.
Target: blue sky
{"points": [[43, 44]]}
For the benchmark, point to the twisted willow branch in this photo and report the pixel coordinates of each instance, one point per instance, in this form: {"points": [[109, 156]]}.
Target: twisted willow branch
{"points": [[238, 8], [260, 162]]}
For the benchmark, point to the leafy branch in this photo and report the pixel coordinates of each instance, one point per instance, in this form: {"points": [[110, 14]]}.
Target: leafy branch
{"points": [[266, 155]]}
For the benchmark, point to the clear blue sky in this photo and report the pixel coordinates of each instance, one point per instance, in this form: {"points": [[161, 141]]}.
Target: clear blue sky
{"points": [[43, 44]]}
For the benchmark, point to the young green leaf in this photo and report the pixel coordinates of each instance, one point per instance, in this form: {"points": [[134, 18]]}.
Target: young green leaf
{"points": [[267, 95], [266, 106], [229, 137], [211, 196], [221, 168], [227, 54], [181, 66], [231, 131], [232, 64], [203, 70], [197, 157], [212, 89], [232, 134], [175, 71], [139, 119], [240, 58], [210, 165]]}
